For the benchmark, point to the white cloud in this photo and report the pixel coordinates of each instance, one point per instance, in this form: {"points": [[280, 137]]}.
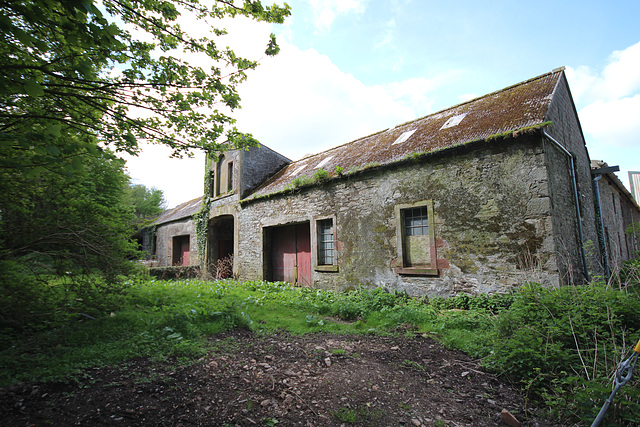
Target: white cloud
{"points": [[326, 11], [608, 103], [180, 179], [416, 93], [467, 97], [387, 34], [619, 78], [615, 122], [296, 103], [300, 103]]}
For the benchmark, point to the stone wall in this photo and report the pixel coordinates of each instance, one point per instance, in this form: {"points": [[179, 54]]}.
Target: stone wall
{"points": [[567, 131], [619, 214], [166, 233], [257, 164], [493, 229]]}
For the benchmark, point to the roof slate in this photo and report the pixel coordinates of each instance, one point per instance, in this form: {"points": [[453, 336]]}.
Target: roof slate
{"points": [[516, 107], [183, 210]]}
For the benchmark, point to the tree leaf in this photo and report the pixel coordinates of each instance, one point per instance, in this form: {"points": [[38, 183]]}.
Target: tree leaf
{"points": [[33, 89]]}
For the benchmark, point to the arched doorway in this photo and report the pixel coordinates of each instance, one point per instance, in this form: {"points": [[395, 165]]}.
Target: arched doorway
{"points": [[220, 246]]}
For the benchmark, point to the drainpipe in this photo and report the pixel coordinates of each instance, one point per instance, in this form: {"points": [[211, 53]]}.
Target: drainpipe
{"points": [[599, 223], [575, 198], [597, 174]]}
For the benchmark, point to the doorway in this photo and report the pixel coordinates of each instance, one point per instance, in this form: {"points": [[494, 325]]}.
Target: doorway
{"points": [[180, 250], [220, 244], [290, 253]]}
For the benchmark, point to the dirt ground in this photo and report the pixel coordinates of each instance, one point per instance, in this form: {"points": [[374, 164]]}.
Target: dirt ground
{"points": [[283, 380]]}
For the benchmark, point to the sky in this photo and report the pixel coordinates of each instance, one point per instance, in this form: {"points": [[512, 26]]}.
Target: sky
{"points": [[349, 68]]}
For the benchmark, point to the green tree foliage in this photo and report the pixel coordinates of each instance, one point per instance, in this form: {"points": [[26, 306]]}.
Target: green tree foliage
{"points": [[147, 202], [57, 59], [79, 80], [67, 223]]}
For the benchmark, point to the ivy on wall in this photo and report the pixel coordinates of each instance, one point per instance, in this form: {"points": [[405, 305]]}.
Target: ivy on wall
{"points": [[201, 218]]}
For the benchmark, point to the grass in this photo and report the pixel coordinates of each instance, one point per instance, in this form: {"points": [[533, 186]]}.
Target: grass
{"points": [[162, 319], [560, 345]]}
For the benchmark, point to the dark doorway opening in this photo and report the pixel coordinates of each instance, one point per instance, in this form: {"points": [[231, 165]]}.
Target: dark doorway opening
{"points": [[220, 246]]}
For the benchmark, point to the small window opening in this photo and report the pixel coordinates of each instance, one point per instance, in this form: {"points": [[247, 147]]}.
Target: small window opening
{"points": [[219, 186], [416, 221], [405, 136], [326, 242], [230, 177], [212, 184]]}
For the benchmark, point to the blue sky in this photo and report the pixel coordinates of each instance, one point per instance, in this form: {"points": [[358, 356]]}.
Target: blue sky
{"points": [[349, 68]]}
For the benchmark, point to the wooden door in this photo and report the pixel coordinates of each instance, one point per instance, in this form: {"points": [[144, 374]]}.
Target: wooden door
{"points": [[181, 250], [303, 254], [291, 254]]}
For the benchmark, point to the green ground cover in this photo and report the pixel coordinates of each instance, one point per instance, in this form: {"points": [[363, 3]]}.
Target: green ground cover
{"points": [[562, 346]]}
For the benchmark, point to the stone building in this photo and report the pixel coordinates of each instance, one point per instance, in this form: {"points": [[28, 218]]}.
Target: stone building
{"points": [[480, 197], [170, 240], [617, 212]]}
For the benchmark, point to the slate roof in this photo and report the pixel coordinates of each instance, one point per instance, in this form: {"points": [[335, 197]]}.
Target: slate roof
{"points": [[516, 107], [183, 210]]}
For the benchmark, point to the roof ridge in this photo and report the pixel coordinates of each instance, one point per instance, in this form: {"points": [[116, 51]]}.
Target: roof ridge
{"points": [[524, 82], [504, 89]]}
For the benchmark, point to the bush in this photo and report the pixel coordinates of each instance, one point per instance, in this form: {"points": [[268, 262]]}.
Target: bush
{"points": [[562, 345], [175, 272], [492, 303], [360, 302]]}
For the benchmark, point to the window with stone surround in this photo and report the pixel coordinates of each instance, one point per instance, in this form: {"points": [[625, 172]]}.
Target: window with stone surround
{"points": [[415, 235], [326, 245]]}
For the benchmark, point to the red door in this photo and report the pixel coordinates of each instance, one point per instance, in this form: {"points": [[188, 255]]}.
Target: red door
{"points": [[303, 254], [291, 254], [181, 250]]}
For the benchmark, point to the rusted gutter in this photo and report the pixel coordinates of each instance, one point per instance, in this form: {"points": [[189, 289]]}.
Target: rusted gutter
{"points": [[575, 198]]}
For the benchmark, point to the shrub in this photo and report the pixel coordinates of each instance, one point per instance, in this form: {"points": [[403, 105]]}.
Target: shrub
{"points": [[562, 345], [320, 175], [175, 272], [492, 303]]}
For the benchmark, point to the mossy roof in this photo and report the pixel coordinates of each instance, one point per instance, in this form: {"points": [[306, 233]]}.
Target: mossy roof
{"points": [[182, 211], [516, 107]]}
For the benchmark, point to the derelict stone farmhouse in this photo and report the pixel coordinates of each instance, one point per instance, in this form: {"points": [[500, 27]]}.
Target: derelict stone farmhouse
{"points": [[480, 197]]}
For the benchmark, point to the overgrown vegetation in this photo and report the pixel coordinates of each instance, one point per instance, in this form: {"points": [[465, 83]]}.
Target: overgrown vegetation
{"points": [[562, 346], [76, 77]]}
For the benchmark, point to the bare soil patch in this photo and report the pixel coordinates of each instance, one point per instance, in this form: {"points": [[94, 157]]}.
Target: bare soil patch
{"points": [[279, 379]]}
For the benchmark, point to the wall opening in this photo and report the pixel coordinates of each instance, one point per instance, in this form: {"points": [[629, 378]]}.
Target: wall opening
{"points": [[220, 244], [181, 245], [287, 253]]}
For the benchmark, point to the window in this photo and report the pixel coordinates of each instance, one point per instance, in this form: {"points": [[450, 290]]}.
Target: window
{"points": [[230, 176], [212, 184], [327, 256], [326, 244], [416, 239], [416, 222], [219, 186]]}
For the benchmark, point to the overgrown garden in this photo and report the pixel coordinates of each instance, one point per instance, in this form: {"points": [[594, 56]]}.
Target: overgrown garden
{"points": [[561, 346]]}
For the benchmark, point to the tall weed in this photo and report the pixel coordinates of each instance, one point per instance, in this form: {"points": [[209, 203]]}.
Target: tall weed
{"points": [[563, 345]]}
